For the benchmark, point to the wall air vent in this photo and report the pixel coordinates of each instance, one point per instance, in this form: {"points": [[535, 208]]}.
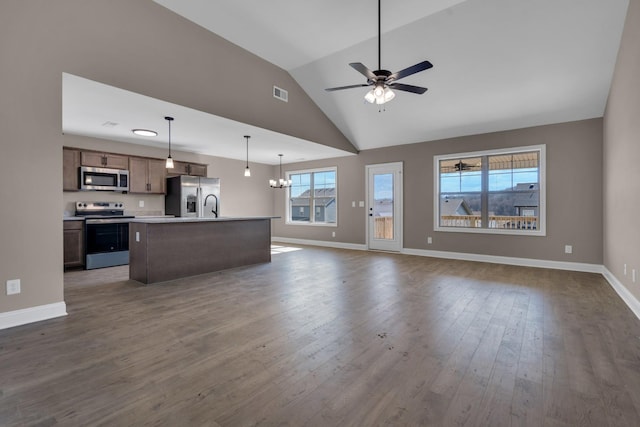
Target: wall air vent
{"points": [[281, 94]]}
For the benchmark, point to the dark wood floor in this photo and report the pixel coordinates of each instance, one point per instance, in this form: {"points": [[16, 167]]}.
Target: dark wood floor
{"points": [[325, 337]]}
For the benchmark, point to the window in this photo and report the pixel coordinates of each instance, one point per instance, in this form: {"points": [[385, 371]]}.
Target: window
{"points": [[312, 197], [497, 191]]}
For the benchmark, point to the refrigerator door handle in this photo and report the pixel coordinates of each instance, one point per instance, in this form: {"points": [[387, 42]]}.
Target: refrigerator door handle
{"points": [[198, 204]]}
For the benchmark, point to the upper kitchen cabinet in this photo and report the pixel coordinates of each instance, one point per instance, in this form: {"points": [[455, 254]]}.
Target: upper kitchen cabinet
{"points": [[185, 168], [147, 175], [104, 160], [70, 165]]}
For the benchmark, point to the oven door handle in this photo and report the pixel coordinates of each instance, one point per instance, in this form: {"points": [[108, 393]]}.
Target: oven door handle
{"points": [[107, 221]]}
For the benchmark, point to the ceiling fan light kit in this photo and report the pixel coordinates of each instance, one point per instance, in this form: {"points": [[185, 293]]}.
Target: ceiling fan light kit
{"points": [[384, 80]]}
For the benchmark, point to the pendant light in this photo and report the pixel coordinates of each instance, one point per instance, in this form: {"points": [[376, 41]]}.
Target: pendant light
{"points": [[247, 171], [169, 164], [281, 182]]}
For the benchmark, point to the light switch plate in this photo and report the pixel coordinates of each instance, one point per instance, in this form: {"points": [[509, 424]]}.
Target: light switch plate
{"points": [[568, 249], [361, 203]]}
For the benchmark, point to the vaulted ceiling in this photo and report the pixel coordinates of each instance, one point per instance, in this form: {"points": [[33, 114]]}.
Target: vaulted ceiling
{"points": [[498, 64]]}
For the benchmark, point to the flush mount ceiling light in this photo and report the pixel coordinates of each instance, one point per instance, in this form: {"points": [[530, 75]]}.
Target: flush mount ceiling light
{"points": [[144, 132], [247, 171], [281, 182], [169, 163], [384, 80]]}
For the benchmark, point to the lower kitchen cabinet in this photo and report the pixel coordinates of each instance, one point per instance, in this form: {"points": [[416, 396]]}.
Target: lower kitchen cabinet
{"points": [[73, 243]]}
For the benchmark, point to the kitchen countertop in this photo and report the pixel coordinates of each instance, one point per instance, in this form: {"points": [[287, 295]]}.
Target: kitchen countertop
{"points": [[81, 218], [183, 219]]}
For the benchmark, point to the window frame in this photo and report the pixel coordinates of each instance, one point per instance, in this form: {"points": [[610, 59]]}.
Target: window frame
{"points": [[311, 221], [542, 217]]}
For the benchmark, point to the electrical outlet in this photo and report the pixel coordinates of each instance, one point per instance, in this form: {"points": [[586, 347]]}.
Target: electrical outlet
{"points": [[568, 249], [353, 204], [429, 240], [361, 204], [13, 287], [633, 275], [141, 204], [137, 236], [333, 234], [624, 269]]}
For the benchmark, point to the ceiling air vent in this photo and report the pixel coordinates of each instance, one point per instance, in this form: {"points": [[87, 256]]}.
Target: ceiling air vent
{"points": [[281, 94]]}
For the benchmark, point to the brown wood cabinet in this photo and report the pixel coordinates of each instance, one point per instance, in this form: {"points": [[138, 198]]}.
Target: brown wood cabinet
{"points": [[104, 160], [147, 175], [73, 243], [186, 168], [70, 165]]}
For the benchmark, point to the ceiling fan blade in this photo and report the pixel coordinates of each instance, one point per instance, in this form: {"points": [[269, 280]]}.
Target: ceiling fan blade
{"points": [[424, 65], [408, 88], [331, 89], [362, 69]]}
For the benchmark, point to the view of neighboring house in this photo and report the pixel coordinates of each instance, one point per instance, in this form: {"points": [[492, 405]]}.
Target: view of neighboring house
{"points": [[521, 201], [455, 206], [527, 199], [324, 205]]}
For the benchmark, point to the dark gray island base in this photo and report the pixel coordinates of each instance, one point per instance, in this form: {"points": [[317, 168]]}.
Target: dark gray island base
{"points": [[162, 249]]}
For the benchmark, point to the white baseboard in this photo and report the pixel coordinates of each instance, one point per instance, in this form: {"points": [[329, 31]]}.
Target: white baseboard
{"points": [[32, 314], [631, 301], [494, 259], [323, 243]]}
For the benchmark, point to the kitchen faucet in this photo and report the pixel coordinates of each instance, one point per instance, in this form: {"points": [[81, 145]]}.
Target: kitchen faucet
{"points": [[214, 209]]}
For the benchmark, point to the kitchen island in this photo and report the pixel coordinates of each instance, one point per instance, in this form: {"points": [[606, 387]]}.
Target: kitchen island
{"points": [[162, 249]]}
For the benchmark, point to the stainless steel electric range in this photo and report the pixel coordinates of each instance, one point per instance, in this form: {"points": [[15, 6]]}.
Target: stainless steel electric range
{"points": [[106, 231]]}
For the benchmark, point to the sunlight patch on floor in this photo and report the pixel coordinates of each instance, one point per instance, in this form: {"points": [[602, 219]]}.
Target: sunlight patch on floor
{"points": [[277, 249]]}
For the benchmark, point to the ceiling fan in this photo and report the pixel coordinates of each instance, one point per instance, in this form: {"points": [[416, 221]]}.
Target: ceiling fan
{"points": [[383, 80]]}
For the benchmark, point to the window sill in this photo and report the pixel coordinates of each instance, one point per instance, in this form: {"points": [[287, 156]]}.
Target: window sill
{"points": [[311, 224]]}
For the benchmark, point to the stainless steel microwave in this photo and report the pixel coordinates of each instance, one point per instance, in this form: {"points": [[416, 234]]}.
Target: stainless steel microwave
{"points": [[104, 179]]}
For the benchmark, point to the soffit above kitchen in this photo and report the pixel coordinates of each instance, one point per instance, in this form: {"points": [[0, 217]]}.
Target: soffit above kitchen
{"points": [[498, 64], [98, 110]]}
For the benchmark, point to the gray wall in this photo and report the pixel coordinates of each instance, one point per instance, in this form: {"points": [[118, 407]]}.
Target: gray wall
{"points": [[135, 45], [574, 195], [622, 158]]}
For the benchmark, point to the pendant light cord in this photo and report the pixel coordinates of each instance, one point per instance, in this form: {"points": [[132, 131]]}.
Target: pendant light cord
{"points": [[169, 119], [247, 137]]}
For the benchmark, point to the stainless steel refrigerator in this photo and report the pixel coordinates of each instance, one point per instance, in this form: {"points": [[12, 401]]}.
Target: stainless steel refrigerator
{"points": [[192, 196]]}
